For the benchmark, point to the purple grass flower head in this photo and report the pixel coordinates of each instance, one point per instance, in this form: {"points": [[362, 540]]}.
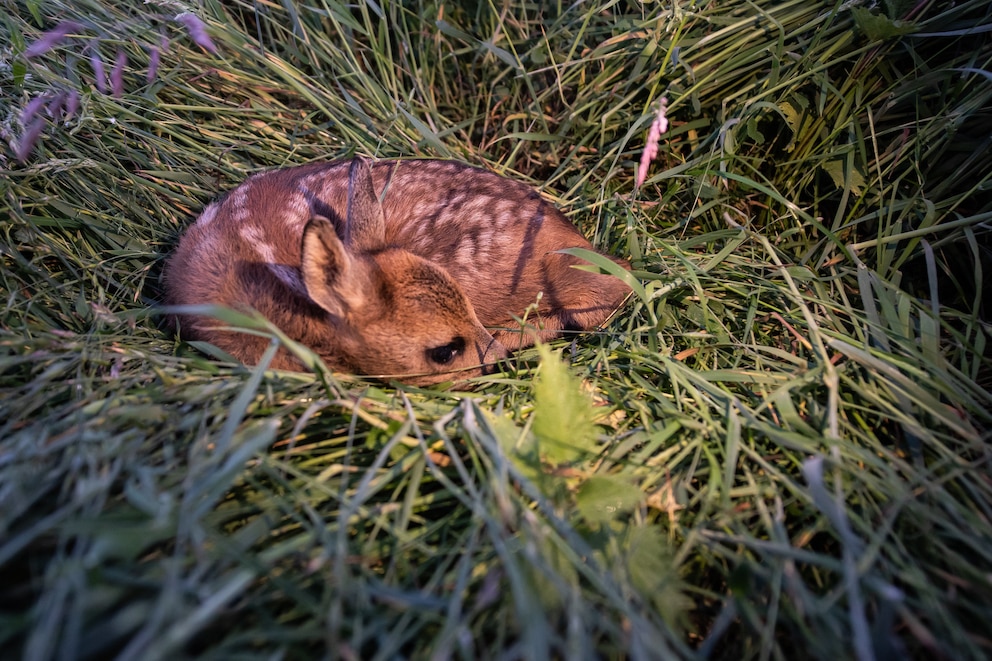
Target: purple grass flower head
{"points": [[71, 104], [99, 72], [31, 109], [117, 75], [56, 105], [658, 126], [29, 139], [154, 57], [197, 31], [52, 38]]}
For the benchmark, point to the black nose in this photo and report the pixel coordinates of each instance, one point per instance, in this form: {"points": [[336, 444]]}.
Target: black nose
{"points": [[494, 368]]}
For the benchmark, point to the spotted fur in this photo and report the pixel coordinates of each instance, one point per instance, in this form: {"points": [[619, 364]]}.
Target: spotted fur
{"points": [[379, 267]]}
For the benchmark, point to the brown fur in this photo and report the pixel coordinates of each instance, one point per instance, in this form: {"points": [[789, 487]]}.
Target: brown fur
{"points": [[375, 287]]}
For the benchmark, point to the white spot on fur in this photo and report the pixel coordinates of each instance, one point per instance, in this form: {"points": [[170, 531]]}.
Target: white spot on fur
{"points": [[288, 275], [238, 203], [326, 184], [253, 237], [208, 214], [297, 213], [422, 211], [466, 252]]}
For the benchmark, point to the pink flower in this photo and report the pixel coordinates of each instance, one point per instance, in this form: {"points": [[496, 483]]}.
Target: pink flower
{"points": [[658, 126], [50, 39], [197, 31]]}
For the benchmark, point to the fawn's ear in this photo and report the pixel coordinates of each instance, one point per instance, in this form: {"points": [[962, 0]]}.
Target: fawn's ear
{"points": [[334, 279], [365, 223]]}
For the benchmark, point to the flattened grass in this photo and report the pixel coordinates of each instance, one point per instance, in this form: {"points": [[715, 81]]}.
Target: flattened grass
{"points": [[792, 444]]}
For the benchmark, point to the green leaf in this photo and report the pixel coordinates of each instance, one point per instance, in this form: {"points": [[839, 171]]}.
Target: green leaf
{"points": [[602, 498], [449, 30], [878, 27], [853, 179], [518, 445], [791, 114], [563, 415], [801, 273], [653, 572], [34, 6], [793, 119]]}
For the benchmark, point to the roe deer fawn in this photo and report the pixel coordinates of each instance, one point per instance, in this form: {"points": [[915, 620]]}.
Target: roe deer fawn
{"points": [[403, 286]]}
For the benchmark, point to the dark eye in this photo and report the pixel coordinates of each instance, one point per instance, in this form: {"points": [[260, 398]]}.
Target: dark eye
{"points": [[444, 354]]}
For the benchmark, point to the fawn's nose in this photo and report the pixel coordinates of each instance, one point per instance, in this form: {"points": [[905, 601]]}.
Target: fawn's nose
{"points": [[493, 355]]}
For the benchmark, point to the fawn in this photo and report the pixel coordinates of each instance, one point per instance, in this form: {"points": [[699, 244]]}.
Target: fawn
{"points": [[401, 283]]}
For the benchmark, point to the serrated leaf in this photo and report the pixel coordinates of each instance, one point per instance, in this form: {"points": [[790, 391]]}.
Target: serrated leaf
{"points": [[602, 498], [653, 572], [878, 27], [843, 179], [790, 113], [793, 118], [518, 446], [563, 413]]}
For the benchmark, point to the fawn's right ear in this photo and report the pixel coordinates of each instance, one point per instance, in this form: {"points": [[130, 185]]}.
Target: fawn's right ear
{"points": [[334, 279], [365, 223]]}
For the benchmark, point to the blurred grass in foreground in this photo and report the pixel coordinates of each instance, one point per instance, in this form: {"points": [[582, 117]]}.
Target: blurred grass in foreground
{"points": [[790, 450]]}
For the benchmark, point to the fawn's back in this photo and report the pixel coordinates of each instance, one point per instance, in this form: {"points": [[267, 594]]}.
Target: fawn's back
{"points": [[444, 249]]}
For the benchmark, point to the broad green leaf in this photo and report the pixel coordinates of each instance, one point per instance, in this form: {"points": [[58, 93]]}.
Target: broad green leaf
{"points": [[518, 445], [878, 27], [563, 414], [652, 568], [602, 498], [843, 179]]}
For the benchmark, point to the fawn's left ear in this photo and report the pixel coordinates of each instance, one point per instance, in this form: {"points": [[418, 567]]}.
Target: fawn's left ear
{"points": [[365, 222], [334, 279]]}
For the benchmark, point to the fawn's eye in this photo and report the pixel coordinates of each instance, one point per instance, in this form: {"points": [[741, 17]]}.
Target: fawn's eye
{"points": [[445, 353]]}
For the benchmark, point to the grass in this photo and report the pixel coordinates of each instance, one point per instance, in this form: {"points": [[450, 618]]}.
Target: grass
{"points": [[780, 446]]}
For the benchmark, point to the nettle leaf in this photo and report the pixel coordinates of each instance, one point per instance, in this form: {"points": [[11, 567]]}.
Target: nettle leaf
{"points": [[652, 569], [517, 444], [843, 178], [563, 414], [878, 27], [793, 118], [602, 498]]}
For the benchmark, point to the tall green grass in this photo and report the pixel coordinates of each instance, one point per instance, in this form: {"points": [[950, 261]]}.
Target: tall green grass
{"points": [[780, 446]]}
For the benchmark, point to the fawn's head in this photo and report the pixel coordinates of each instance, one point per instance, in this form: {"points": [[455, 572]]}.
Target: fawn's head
{"points": [[390, 311]]}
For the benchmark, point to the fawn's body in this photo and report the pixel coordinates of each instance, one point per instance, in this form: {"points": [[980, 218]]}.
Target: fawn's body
{"points": [[439, 250]]}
